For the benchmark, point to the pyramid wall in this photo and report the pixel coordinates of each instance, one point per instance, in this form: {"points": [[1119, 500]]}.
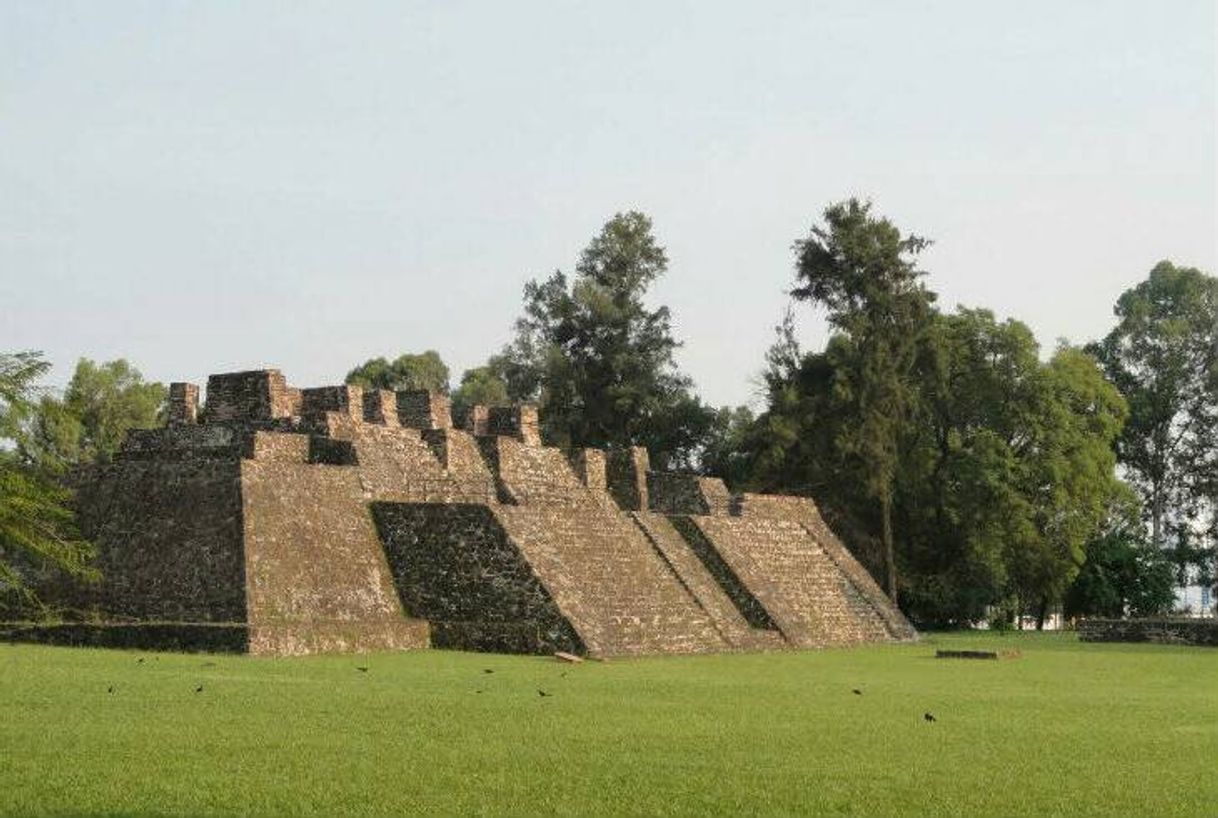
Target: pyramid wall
{"points": [[331, 519]]}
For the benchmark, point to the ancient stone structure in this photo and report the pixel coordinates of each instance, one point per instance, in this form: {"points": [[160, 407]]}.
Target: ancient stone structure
{"points": [[290, 521], [1163, 631]]}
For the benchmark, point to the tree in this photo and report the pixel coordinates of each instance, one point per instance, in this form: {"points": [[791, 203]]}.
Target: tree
{"points": [[101, 402], [1123, 575], [724, 453], [37, 529], [425, 370], [598, 360], [1004, 462], [862, 270], [479, 386], [1163, 356]]}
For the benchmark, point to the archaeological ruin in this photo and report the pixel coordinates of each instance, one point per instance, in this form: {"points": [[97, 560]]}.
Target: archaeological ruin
{"points": [[283, 521]]}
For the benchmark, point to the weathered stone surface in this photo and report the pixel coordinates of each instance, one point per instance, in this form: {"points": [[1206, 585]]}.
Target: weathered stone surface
{"points": [[183, 404], [687, 494], [626, 473], [287, 521], [1160, 631], [421, 409], [518, 421]]}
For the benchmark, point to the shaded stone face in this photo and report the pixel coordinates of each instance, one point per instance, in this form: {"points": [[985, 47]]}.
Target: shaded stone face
{"points": [[183, 404], [334, 518]]}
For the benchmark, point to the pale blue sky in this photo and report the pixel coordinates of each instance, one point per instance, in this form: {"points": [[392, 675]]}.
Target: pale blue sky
{"points": [[213, 186]]}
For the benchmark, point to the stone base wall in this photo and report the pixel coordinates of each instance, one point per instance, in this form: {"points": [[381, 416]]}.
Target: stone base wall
{"points": [[185, 637], [170, 538], [1158, 631]]}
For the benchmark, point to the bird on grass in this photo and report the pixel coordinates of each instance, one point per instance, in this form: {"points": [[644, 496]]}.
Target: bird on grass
{"points": [[542, 693], [199, 689], [140, 661], [361, 669], [487, 670], [857, 692], [928, 716], [110, 689]]}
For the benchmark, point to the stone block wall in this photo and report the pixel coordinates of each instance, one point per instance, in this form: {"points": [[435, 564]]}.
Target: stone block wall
{"points": [[518, 421], [421, 409], [258, 395], [183, 404], [455, 567], [687, 494], [626, 473], [381, 407], [589, 468], [1160, 631], [171, 540], [317, 578]]}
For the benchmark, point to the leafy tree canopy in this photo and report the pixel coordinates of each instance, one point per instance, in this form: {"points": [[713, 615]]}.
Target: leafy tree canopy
{"points": [[599, 360], [1163, 356], [863, 271], [102, 401], [479, 386], [37, 529], [426, 370]]}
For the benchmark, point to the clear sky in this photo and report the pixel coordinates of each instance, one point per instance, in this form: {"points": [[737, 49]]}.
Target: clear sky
{"points": [[203, 187]]}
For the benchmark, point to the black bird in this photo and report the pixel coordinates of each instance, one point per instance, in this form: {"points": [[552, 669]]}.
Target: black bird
{"points": [[362, 669], [542, 693], [199, 689], [487, 670], [928, 716], [110, 689], [140, 661], [477, 691], [857, 692]]}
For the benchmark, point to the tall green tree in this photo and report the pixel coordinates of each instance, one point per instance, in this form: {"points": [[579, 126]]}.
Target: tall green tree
{"points": [[1005, 463], [101, 402], [599, 360], [1163, 356], [425, 370], [479, 386], [862, 270], [1123, 575], [37, 527]]}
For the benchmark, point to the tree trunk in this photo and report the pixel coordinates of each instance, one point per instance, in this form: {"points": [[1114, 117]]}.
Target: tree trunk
{"points": [[890, 559], [1156, 519], [1041, 611]]}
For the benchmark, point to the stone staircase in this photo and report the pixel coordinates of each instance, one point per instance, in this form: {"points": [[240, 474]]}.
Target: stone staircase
{"points": [[727, 618], [608, 580], [810, 598]]}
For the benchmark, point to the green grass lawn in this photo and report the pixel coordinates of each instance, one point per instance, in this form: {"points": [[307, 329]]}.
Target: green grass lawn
{"points": [[1068, 729]]}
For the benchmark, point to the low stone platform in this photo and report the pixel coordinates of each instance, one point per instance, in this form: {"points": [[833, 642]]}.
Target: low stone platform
{"points": [[978, 654], [225, 637], [183, 637], [1158, 631]]}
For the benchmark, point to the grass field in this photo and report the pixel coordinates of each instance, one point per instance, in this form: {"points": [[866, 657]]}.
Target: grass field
{"points": [[1068, 729]]}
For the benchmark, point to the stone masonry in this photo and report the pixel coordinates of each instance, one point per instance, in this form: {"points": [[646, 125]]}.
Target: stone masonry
{"points": [[337, 519]]}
